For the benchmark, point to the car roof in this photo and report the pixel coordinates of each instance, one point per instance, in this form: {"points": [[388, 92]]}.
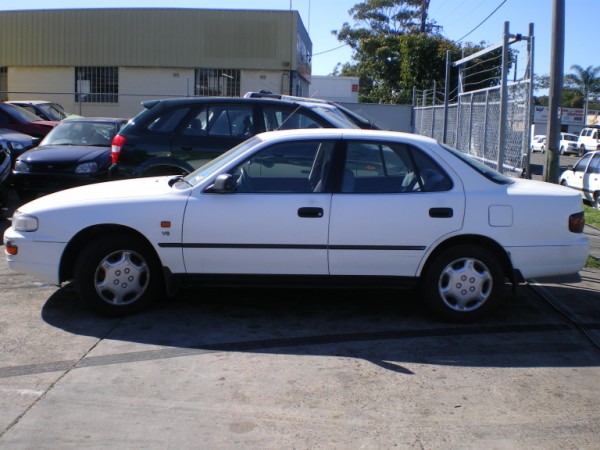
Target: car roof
{"points": [[356, 133], [94, 119]]}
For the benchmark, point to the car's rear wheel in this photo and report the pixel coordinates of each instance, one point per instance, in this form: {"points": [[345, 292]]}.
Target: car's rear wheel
{"points": [[463, 283], [581, 150], [119, 275]]}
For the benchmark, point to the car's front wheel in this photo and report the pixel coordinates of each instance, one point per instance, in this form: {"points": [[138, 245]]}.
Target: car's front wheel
{"points": [[463, 283], [116, 276], [596, 200]]}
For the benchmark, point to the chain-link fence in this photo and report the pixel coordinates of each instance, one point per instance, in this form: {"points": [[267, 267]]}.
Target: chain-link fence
{"points": [[491, 125]]}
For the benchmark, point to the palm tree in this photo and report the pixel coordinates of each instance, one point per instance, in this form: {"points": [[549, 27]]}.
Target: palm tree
{"points": [[586, 81]]}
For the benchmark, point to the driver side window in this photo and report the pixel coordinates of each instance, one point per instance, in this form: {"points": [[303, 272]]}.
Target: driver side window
{"points": [[295, 167]]}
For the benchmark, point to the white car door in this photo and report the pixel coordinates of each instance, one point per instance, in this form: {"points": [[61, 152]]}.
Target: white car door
{"points": [[576, 180], [385, 219], [273, 224], [591, 177]]}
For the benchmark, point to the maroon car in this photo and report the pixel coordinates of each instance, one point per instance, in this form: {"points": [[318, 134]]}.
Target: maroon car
{"points": [[16, 118]]}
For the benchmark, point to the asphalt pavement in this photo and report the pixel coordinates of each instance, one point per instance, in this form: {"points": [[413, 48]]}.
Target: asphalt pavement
{"points": [[228, 369]]}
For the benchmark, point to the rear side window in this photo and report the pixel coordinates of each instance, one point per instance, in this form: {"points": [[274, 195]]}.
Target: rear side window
{"points": [[285, 118], [168, 121], [391, 168]]}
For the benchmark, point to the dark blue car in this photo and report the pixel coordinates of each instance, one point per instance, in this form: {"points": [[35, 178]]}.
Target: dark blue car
{"points": [[75, 152]]}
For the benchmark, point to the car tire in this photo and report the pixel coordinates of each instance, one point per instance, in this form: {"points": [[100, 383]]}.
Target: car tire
{"points": [[581, 151], [100, 270], [463, 283], [596, 200]]}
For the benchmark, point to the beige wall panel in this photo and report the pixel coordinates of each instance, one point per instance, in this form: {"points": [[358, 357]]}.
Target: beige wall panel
{"points": [[43, 83], [256, 80], [139, 84], [149, 37]]}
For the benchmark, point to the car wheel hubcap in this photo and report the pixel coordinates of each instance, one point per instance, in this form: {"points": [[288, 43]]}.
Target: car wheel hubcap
{"points": [[465, 284], [122, 277]]}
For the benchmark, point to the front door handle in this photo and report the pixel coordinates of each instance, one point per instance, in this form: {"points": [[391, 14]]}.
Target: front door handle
{"points": [[310, 212]]}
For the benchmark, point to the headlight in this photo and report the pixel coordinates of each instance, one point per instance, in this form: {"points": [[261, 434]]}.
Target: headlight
{"points": [[24, 222], [88, 167], [21, 166]]}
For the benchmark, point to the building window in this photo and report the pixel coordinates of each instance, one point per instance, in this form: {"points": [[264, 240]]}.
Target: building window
{"points": [[3, 83], [217, 82], [97, 84]]}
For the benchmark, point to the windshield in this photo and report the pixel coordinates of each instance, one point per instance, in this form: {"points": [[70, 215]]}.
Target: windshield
{"points": [[53, 110], [22, 114], [207, 169], [334, 116], [478, 166], [98, 134]]}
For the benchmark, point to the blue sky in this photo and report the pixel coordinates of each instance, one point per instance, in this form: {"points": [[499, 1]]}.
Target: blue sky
{"points": [[457, 17]]}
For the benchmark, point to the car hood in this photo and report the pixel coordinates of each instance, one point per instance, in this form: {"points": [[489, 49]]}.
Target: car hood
{"points": [[137, 189], [63, 153], [16, 136]]}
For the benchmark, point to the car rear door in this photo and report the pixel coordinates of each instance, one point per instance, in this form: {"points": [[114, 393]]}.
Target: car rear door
{"points": [[386, 218], [212, 129]]}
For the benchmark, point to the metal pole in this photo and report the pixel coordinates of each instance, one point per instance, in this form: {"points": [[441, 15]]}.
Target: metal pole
{"points": [[446, 95], [526, 149], [555, 92], [503, 100]]}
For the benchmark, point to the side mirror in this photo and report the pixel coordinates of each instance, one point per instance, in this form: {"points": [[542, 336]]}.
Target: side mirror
{"points": [[223, 184]]}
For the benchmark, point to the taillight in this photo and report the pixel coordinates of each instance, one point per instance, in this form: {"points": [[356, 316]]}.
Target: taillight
{"points": [[577, 222], [115, 148]]}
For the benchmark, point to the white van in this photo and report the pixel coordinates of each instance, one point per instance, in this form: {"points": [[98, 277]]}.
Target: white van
{"points": [[589, 139]]}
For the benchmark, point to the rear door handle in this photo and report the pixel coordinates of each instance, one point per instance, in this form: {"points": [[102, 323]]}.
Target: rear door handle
{"points": [[310, 212], [441, 212]]}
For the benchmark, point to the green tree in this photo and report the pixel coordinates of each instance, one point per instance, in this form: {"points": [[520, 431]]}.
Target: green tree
{"points": [[586, 82], [395, 48]]}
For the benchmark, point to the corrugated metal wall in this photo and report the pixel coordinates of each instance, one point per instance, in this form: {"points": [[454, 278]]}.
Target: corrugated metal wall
{"points": [[149, 37]]}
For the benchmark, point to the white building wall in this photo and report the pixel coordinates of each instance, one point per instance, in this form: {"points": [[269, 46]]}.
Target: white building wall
{"points": [[336, 89]]}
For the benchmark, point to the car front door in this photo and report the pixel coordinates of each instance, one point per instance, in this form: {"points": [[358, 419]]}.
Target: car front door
{"points": [[274, 223]]}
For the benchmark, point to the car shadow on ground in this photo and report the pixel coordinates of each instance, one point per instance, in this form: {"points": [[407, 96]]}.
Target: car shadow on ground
{"points": [[388, 327]]}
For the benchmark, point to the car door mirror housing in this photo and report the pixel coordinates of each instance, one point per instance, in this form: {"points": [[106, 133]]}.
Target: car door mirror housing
{"points": [[224, 183]]}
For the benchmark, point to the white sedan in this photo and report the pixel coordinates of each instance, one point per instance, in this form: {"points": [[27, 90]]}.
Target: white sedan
{"points": [[342, 207], [584, 177]]}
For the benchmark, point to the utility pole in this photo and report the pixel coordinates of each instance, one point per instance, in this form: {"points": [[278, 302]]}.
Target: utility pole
{"points": [[424, 8], [555, 93]]}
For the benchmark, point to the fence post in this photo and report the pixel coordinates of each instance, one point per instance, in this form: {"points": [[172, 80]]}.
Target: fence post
{"points": [[503, 100], [446, 94]]}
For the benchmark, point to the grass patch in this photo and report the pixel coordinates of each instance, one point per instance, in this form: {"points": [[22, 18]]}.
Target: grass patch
{"points": [[592, 217]]}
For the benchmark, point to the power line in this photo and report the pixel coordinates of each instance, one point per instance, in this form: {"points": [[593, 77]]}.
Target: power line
{"points": [[483, 21]]}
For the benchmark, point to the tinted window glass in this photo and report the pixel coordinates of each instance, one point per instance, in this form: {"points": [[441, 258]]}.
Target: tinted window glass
{"points": [[292, 167], [284, 118], [389, 168], [168, 121]]}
